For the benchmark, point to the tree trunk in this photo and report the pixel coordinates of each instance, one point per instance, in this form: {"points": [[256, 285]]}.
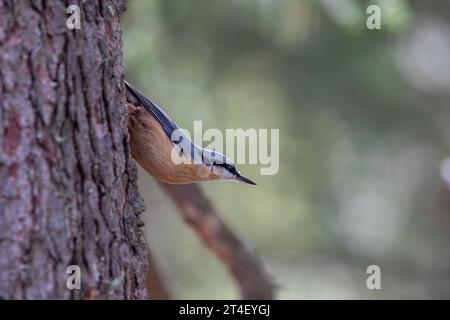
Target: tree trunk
{"points": [[68, 193]]}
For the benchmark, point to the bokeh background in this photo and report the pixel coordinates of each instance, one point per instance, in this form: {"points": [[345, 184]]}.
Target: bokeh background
{"points": [[364, 132]]}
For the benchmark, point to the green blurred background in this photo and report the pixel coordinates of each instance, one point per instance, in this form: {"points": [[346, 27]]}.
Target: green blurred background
{"points": [[364, 129]]}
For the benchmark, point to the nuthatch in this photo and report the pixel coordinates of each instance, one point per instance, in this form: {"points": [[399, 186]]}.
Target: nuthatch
{"points": [[152, 145]]}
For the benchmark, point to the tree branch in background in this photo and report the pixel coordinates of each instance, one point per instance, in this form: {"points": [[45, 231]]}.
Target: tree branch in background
{"points": [[156, 285], [444, 194], [244, 264]]}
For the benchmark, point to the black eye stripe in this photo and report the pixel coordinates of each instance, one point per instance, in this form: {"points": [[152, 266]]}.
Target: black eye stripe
{"points": [[228, 167]]}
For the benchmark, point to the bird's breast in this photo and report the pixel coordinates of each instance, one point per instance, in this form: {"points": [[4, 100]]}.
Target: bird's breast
{"points": [[153, 150]]}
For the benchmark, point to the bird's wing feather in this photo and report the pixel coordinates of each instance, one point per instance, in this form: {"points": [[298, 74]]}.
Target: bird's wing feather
{"points": [[168, 125]]}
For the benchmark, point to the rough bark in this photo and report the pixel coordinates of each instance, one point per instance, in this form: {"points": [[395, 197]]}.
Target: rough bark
{"points": [[68, 192]]}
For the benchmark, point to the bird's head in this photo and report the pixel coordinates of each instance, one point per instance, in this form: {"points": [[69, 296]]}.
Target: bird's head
{"points": [[220, 167]]}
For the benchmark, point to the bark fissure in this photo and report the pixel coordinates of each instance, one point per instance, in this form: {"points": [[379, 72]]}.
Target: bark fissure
{"points": [[68, 193]]}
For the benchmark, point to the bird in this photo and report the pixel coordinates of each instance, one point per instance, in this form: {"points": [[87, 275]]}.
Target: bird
{"points": [[163, 150]]}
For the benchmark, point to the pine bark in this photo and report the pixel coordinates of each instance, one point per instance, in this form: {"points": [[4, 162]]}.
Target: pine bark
{"points": [[68, 193]]}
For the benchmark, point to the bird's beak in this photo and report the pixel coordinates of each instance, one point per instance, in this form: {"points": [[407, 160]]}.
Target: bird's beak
{"points": [[241, 178]]}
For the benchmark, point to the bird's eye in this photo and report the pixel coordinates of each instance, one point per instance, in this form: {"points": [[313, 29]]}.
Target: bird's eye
{"points": [[180, 139], [230, 168]]}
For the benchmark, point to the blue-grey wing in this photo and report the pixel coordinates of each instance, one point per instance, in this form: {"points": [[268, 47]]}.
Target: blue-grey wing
{"points": [[178, 138], [168, 125]]}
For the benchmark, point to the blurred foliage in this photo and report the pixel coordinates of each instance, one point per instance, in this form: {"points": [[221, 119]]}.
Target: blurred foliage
{"points": [[363, 118]]}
